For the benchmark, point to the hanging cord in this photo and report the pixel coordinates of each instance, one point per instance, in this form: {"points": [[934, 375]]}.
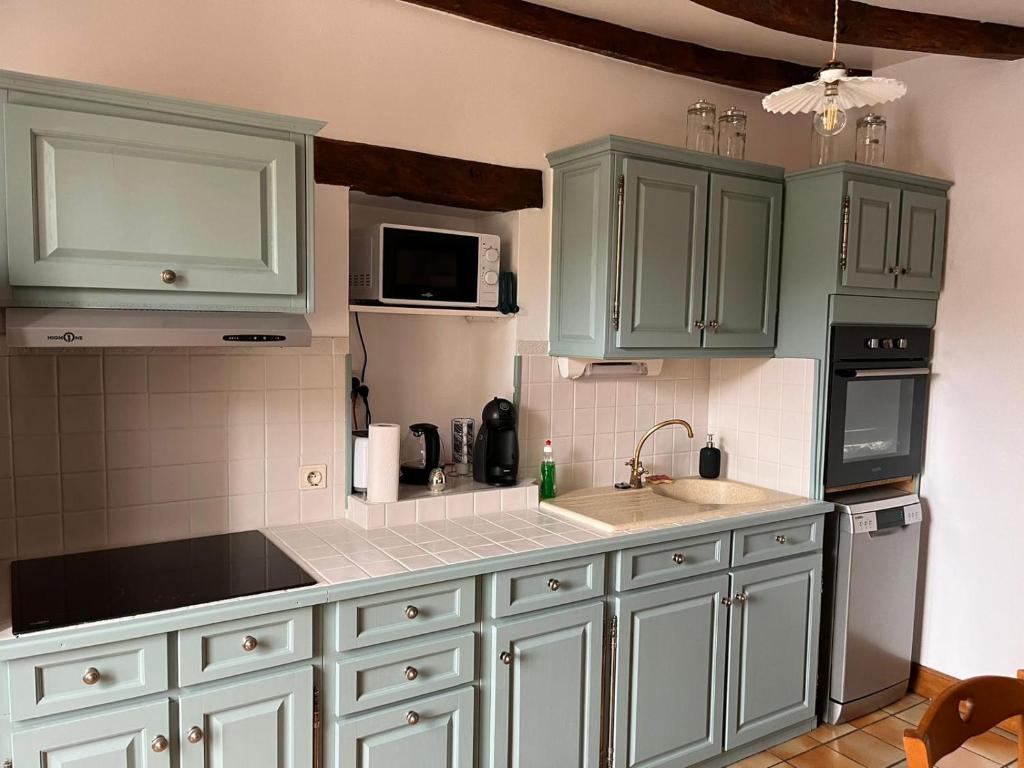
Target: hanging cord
{"points": [[835, 32], [359, 386]]}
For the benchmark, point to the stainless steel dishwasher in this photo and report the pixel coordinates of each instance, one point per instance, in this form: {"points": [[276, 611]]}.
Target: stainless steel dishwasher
{"points": [[871, 550]]}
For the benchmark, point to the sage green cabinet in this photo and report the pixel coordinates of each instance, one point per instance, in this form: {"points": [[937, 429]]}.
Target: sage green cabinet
{"points": [[670, 670], [543, 683], [773, 648], [922, 251], [662, 252]]}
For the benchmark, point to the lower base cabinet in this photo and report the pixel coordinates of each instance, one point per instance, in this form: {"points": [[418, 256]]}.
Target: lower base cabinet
{"points": [[773, 648], [543, 677], [264, 723], [670, 674], [434, 732]]}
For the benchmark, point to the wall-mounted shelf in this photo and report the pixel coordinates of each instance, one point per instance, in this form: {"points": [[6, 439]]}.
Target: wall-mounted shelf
{"points": [[472, 315]]}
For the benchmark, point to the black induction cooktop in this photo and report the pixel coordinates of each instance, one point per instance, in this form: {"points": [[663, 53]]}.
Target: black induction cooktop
{"points": [[53, 592]]}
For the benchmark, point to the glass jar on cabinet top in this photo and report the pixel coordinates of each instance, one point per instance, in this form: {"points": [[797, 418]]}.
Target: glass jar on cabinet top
{"points": [[700, 126], [871, 140], [732, 133]]}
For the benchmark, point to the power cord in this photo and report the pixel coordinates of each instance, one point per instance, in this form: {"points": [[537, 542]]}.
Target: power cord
{"points": [[359, 387]]}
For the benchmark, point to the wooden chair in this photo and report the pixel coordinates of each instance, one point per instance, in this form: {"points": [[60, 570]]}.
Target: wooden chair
{"points": [[963, 711]]}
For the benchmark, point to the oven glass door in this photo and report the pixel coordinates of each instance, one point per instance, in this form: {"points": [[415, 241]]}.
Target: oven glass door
{"points": [[876, 423], [429, 267]]}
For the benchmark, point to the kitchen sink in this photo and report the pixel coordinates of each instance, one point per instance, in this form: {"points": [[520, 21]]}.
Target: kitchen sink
{"points": [[698, 490]]}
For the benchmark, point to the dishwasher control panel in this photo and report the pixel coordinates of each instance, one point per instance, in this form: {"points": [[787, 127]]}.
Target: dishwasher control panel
{"points": [[865, 522]]}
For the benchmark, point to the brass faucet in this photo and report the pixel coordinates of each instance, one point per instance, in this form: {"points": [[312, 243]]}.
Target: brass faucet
{"points": [[637, 471]]}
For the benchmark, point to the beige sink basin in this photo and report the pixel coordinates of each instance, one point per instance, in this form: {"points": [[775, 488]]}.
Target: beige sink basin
{"points": [[697, 490]]}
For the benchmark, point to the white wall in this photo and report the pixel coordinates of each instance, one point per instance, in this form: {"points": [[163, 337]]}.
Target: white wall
{"points": [[962, 121]]}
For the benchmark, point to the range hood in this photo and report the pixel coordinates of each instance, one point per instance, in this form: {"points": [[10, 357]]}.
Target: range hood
{"points": [[153, 328]]}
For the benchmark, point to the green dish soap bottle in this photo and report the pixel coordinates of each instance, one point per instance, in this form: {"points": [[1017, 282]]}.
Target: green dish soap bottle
{"points": [[548, 487]]}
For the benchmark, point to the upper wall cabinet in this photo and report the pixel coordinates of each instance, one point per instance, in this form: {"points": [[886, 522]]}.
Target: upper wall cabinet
{"points": [[662, 252], [117, 199]]}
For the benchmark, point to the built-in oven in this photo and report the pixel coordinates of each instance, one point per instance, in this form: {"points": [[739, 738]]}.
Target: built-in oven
{"points": [[877, 403]]}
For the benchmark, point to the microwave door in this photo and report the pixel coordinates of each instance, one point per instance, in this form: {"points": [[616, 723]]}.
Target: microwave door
{"points": [[428, 268]]}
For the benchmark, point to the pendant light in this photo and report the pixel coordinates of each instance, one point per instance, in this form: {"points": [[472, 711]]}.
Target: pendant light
{"points": [[833, 92]]}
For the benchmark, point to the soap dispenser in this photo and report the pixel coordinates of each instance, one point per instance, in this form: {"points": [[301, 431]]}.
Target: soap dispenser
{"points": [[710, 460]]}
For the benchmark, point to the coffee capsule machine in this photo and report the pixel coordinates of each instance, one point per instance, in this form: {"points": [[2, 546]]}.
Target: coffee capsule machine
{"points": [[496, 451]]}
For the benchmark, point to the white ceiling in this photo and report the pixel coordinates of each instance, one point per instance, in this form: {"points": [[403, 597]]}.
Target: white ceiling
{"points": [[685, 20]]}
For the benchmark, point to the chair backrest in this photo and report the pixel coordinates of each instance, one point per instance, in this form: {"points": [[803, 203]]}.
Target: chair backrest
{"points": [[963, 711]]}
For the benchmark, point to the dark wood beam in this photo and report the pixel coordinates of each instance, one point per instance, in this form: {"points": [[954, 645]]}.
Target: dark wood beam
{"points": [[391, 172], [753, 73], [878, 27]]}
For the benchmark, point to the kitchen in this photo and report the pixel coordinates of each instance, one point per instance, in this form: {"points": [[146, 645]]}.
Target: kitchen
{"points": [[131, 445]]}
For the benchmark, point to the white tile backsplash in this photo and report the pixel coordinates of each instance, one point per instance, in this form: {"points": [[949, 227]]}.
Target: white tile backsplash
{"points": [[125, 446]]}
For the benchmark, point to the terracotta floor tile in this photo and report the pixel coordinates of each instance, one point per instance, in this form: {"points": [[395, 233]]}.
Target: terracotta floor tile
{"points": [[867, 750], [826, 732], [889, 730], [964, 758], [760, 760], [793, 747], [915, 713], [906, 702], [868, 719], [993, 746], [823, 757]]}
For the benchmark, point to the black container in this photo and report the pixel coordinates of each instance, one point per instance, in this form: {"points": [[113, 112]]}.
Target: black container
{"points": [[496, 451], [710, 460]]}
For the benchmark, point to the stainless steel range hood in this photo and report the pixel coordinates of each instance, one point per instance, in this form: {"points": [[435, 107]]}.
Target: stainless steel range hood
{"points": [[153, 328]]}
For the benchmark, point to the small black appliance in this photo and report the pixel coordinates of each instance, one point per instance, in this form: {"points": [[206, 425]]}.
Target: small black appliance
{"points": [[422, 453], [496, 452]]}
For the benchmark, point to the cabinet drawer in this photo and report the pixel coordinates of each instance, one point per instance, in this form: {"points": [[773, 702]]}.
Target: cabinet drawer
{"points": [[404, 613], [546, 586], [658, 563], [775, 540], [101, 674], [246, 645], [378, 678]]}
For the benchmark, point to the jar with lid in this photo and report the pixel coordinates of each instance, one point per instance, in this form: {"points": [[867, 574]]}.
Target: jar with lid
{"points": [[700, 126], [871, 140], [824, 149], [732, 133]]}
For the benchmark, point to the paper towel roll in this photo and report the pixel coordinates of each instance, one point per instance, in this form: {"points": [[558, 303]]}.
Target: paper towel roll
{"points": [[382, 463]]}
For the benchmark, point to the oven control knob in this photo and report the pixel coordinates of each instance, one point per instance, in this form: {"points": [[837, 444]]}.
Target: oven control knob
{"points": [[872, 343], [902, 343], [491, 254], [491, 278], [888, 344]]}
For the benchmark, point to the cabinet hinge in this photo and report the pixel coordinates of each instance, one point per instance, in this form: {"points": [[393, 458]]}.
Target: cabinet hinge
{"points": [[613, 656], [844, 240], [317, 746], [620, 213]]}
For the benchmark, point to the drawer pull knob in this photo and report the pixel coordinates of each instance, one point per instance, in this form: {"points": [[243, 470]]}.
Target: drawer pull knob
{"points": [[91, 676], [506, 658], [194, 734], [781, 539], [249, 644], [169, 276], [411, 673], [740, 597], [412, 717], [726, 601], [554, 585], [678, 558], [411, 611], [159, 744]]}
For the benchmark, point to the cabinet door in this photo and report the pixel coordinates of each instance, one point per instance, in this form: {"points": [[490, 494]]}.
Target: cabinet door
{"points": [[670, 674], [263, 723], [773, 648], [134, 737], [744, 236], [95, 201], [662, 259], [545, 702], [922, 242], [435, 732], [873, 236]]}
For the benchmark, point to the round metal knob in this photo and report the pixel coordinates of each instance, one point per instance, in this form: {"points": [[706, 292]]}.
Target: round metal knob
{"points": [[412, 717], [726, 601], [698, 324], [506, 658], [249, 644], [91, 676], [713, 325], [411, 611], [740, 597], [169, 276], [781, 539], [678, 558], [194, 734], [159, 744], [411, 673], [554, 585]]}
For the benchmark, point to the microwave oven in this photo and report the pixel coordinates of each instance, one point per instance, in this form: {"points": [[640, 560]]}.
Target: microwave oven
{"points": [[421, 266]]}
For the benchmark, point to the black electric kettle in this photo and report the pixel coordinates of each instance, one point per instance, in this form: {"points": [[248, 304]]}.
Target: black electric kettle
{"points": [[421, 453]]}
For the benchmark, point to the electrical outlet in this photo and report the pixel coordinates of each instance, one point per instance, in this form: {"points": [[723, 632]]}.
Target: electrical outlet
{"points": [[313, 476]]}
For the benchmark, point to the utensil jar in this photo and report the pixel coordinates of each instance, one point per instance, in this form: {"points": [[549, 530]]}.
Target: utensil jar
{"points": [[732, 133]]}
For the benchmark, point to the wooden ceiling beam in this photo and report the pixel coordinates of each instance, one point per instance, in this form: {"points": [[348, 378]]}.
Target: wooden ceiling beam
{"points": [[878, 27], [753, 73]]}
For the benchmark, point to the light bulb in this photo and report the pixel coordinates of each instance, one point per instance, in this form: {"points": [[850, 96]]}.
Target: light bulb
{"points": [[831, 119]]}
